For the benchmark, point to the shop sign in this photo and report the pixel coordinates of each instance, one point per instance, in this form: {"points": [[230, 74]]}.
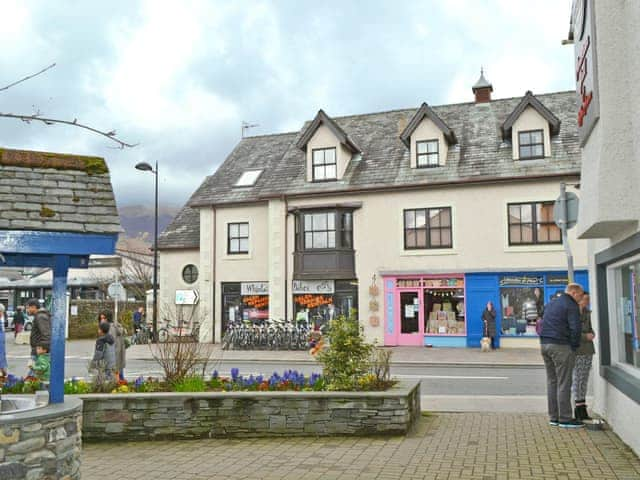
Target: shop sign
{"points": [[313, 286], [584, 35], [187, 297], [254, 288], [560, 279], [524, 280]]}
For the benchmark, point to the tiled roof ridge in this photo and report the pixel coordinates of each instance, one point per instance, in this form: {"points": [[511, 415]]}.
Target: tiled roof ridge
{"points": [[280, 134], [413, 109]]}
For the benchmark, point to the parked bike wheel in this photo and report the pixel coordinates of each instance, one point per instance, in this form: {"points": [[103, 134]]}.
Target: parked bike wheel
{"points": [[163, 335]]}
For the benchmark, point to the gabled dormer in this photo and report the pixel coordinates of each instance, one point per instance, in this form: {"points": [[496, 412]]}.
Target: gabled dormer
{"points": [[428, 138], [529, 129], [328, 149]]}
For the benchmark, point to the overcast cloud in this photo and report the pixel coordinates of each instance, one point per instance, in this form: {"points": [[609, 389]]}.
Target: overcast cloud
{"points": [[179, 77]]}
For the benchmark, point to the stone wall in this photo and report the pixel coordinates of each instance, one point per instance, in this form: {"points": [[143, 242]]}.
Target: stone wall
{"points": [[42, 443], [249, 414]]}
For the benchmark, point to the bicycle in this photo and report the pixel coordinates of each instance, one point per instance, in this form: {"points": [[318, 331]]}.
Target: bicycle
{"points": [[142, 335]]}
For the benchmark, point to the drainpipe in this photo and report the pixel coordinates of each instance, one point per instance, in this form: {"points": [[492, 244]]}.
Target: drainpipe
{"points": [[213, 279], [286, 257]]}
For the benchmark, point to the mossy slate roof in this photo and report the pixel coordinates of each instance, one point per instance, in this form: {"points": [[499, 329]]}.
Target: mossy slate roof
{"points": [[480, 154], [46, 191]]}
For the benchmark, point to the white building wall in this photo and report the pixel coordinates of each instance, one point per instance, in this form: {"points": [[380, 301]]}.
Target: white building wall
{"points": [[610, 207]]}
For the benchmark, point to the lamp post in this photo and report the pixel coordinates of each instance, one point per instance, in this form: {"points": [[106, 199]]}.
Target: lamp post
{"points": [[145, 167]]}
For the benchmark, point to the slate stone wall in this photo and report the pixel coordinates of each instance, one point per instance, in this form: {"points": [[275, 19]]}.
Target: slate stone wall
{"points": [[249, 414], [42, 443]]}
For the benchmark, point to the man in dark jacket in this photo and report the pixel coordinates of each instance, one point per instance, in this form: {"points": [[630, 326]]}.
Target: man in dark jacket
{"points": [[559, 339], [41, 328]]}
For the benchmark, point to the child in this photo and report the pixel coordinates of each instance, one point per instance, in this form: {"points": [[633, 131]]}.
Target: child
{"points": [[104, 357], [42, 366]]}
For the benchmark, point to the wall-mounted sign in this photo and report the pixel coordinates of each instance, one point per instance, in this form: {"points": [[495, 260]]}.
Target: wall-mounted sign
{"points": [[522, 280], [254, 288], [584, 35], [557, 279], [313, 286], [187, 297]]}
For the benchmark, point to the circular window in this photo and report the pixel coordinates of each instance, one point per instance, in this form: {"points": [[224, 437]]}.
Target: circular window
{"points": [[190, 273]]}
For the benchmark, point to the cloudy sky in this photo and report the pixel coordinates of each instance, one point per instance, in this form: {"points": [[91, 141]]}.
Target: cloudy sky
{"points": [[178, 78]]}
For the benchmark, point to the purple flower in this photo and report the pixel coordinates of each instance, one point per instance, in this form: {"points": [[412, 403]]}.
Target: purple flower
{"points": [[215, 374], [234, 374]]}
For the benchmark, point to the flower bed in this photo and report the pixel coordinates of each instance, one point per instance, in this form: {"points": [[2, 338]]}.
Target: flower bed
{"points": [[232, 413]]}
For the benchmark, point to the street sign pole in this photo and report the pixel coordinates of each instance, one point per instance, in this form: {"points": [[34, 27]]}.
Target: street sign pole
{"points": [[562, 222]]}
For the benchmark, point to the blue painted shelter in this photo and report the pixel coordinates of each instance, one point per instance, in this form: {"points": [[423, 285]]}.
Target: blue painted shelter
{"points": [[55, 211]]}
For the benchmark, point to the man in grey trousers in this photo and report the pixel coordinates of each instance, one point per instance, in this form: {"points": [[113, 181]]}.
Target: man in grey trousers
{"points": [[559, 339]]}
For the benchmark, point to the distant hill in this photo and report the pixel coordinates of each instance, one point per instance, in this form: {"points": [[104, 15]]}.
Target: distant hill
{"points": [[137, 220]]}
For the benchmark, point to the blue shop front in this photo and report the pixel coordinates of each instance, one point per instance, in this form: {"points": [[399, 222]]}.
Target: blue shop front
{"points": [[518, 298]]}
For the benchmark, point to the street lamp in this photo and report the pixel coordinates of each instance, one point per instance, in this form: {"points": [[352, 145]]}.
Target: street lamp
{"points": [[145, 167]]}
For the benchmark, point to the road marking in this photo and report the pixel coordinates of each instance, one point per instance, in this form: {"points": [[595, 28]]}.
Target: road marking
{"points": [[451, 377]]}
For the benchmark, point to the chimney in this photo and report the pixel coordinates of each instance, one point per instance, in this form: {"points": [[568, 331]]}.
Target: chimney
{"points": [[482, 89]]}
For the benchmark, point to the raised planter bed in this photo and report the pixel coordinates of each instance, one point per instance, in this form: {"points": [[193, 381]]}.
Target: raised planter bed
{"points": [[150, 416]]}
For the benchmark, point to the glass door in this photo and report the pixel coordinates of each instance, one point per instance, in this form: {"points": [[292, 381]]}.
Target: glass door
{"points": [[411, 332]]}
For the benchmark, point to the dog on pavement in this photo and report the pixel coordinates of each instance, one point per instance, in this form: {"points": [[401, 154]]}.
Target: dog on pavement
{"points": [[485, 344]]}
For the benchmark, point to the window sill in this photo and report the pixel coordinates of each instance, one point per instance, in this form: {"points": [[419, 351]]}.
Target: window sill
{"points": [[428, 252], [237, 256], [623, 381], [554, 247]]}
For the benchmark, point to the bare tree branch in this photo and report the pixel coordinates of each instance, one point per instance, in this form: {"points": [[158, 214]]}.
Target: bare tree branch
{"points": [[111, 135], [28, 77]]}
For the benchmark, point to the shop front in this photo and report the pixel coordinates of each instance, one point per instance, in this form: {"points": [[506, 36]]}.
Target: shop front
{"points": [[425, 310], [244, 301], [519, 300], [320, 301]]}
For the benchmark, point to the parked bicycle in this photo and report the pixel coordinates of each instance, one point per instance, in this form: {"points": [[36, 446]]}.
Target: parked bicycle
{"points": [[142, 335], [272, 334], [183, 331]]}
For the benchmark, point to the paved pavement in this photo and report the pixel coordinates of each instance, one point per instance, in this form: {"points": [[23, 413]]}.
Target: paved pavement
{"points": [[443, 446]]}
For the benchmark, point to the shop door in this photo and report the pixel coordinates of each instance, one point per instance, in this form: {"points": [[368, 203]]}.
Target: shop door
{"points": [[411, 330]]}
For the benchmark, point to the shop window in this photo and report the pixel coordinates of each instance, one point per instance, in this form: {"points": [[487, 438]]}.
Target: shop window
{"points": [[531, 144], [238, 307], [628, 328], [532, 224], [238, 238], [320, 308], [324, 164], [190, 274], [427, 228], [521, 307], [444, 311]]}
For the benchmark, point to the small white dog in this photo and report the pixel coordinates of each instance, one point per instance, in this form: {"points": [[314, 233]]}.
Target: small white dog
{"points": [[485, 344]]}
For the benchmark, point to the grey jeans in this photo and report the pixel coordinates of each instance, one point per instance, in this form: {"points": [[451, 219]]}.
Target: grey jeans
{"points": [[559, 361]]}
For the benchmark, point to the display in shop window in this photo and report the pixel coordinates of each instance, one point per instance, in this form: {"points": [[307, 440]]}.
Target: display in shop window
{"points": [[521, 308]]}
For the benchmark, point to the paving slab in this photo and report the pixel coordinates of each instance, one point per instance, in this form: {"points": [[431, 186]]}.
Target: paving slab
{"points": [[482, 446]]}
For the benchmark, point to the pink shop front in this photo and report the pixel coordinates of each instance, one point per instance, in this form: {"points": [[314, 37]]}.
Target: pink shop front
{"points": [[425, 310]]}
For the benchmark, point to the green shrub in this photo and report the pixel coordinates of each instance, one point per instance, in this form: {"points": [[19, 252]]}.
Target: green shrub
{"points": [[190, 384], [346, 359]]}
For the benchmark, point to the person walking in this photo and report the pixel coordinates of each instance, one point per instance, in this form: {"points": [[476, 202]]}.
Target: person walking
{"points": [[489, 322], [40, 329], [117, 332], [584, 359], [18, 322], [3, 348], [559, 339]]}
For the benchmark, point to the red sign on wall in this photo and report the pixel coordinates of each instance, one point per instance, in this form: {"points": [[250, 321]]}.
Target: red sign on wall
{"points": [[586, 72]]}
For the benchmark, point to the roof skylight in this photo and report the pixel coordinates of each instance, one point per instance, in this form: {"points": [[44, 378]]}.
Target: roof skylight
{"points": [[248, 178]]}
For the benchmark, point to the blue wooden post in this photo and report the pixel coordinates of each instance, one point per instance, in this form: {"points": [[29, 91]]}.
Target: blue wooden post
{"points": [[58, 316]]}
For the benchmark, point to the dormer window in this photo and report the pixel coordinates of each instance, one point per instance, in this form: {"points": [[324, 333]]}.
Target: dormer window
{"points": [[531, 144], [324, 164], [248, 178], [427, 154]]}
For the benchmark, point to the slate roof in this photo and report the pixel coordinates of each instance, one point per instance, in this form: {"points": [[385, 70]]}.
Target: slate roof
{"points": [[183, 231], [56, 192], [480, 154]]}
